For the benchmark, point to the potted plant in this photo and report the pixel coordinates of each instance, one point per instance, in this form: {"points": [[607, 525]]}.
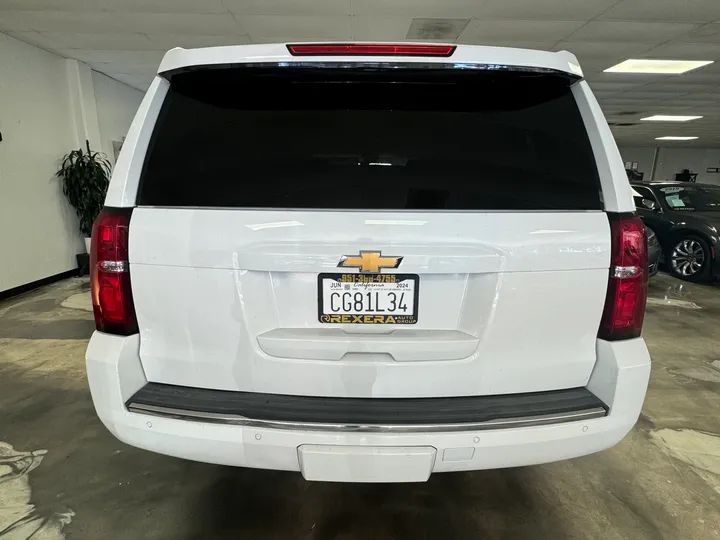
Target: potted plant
{"points": [[85, 176]]}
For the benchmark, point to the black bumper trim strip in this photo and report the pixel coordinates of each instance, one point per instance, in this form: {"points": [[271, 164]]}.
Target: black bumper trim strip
{"points": [[367, 414]]}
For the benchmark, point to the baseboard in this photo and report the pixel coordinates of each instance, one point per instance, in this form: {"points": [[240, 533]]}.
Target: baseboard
{"points": [[37, 284]]}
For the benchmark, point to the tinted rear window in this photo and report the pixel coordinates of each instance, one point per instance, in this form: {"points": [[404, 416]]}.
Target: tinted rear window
{"points": [[420, 139]]}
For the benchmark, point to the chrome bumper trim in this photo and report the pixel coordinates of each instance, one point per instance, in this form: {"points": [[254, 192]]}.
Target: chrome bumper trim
{"points": [[237, 420]]}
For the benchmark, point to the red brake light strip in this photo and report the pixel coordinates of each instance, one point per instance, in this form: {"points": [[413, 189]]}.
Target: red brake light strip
{"points": [[370, 49]]}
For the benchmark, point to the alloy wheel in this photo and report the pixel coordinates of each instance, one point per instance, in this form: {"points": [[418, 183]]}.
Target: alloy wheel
{"points": [[687, 257]]}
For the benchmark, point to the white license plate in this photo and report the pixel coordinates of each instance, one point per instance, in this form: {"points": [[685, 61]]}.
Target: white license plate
{"points": [[368, 298], [366, 463]]}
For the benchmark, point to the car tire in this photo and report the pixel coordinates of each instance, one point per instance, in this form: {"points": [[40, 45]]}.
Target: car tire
{"points": [[689, 258]]}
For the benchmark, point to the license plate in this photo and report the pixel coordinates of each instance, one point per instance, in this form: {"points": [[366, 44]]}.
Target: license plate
{"points": [[368, 299]]}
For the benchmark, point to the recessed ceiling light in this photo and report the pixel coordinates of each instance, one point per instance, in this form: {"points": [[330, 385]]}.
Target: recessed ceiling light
{"points": [[670, 118], [657, 66], [673, 138]]}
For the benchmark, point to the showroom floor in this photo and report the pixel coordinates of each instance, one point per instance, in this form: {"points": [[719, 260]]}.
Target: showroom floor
{"points": [[661, 482]]}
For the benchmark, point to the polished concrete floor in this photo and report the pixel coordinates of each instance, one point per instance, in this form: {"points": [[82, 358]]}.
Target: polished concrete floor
{"points": [[62, 475]]}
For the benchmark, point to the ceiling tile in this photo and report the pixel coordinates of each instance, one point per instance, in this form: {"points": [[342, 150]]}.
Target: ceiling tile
{"points": [[436, 29], [709, 74], [163, 6], [289, 7], [58, 21], [460, 9], [53, 5], [139, 72], [139, 58], [127, 38], [676, 87], [180, 23], [638, 79], [652, 96], [612, 86], [37, 39], [701, 97], [592, 65], [516, 44], [620, 49], [123, 67], [141, 83], [147, 6], [680, 107], [664, 10], [625, 99], [171, 23], [108, 40], [122, 77], [624, 31], [482, 30], [166, 42], [685, 51], [600, 96], [710, 33], [561, 10], [268, 28], [380, 28], [619, 113]]}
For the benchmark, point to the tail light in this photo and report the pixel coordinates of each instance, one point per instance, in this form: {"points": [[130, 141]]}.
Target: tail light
{"points": [[627, 286], [370, 49], [110, 273]]}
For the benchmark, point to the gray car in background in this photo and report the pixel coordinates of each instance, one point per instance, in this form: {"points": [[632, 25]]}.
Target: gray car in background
{"points": [[685, 217], [654, 253]]}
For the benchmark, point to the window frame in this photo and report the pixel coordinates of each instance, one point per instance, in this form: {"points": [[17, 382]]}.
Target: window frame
{"points": [[652, 197], [572, 81]]}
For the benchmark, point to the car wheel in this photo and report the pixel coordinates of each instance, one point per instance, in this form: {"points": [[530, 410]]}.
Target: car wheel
{"points": [[689, 259]]}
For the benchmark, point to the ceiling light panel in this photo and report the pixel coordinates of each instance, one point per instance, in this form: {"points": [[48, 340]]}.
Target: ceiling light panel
{"points": [[675, 138], [666, 67], [670, 118]]}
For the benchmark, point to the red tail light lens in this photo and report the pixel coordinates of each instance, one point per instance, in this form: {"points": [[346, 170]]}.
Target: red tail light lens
{"points": [[110, 273], [627, 286], [369, 49]]}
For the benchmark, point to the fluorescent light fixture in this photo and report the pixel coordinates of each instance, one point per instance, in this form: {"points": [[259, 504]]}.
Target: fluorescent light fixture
{"points": [[670, 118], [674, 138], [665, 67]]}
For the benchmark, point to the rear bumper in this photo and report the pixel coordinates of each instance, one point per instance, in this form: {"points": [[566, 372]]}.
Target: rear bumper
{"points": [[367, 415], [115, 374]]}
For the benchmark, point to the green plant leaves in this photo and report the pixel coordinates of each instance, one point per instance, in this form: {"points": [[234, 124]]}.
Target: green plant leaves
{"points": [[85, 176]]}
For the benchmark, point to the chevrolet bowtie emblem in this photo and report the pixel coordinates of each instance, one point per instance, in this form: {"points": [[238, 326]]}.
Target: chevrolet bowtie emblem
{"points": [[369, 262]]}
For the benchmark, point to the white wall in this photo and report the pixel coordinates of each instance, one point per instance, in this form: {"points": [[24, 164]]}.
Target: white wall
{"points": [[673, 160], [38, 229], [48, 105], [642, 154], [116, 106]]}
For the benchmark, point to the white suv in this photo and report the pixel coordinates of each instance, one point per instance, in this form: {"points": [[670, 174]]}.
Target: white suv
{"points": [[369, 262]]}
